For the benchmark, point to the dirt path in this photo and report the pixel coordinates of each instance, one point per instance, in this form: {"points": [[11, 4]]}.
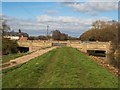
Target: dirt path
{"points": [[26, 58]]}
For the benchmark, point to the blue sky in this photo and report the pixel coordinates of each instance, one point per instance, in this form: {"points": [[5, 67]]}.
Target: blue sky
{"points": [[71, 18], [28, 10]]}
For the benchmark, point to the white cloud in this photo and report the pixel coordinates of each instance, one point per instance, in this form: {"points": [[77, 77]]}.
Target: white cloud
{"points": [[67, 19], [45, 18], [102, 0], [66, 24], [16, 23], [64, 19], [93, 8]]}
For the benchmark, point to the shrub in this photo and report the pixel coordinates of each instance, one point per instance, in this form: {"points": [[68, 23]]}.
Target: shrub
{"points": [[9, 46]]}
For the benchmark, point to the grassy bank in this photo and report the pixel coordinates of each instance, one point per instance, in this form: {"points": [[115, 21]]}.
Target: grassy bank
{"points": [[7, 58], [60, 68]]}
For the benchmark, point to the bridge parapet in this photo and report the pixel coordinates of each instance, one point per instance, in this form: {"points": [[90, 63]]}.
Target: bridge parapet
{"points": [[83, 46], [34, 45], [24, 44]]}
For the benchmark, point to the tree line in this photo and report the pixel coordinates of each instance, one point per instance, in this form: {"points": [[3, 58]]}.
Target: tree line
{"points": [[56, 35], [101, 31]]}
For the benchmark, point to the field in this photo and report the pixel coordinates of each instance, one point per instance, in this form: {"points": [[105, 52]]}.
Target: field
{"points": [[60, 68]]}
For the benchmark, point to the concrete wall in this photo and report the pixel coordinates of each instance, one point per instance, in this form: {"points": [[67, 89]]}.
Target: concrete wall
{"points": [[34, 45], [82, 46]]}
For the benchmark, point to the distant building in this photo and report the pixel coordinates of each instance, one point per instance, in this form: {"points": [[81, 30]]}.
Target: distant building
{"points": [[17, 35]]}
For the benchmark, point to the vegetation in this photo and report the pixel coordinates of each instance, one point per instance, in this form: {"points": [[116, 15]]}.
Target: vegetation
{"points": [[52, 37], [101, 31], [60, 68], [4, 27], [7, 58], [39, 37], [104, 31], [9, 46], [57, 35], [73, 38]]}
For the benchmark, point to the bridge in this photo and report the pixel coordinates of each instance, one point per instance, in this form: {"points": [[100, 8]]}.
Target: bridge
{"points": [[34, 45], [82, 46], [93, 46]]}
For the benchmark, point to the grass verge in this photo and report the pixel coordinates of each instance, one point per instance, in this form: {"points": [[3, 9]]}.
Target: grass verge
{"points": [[7, 58]]}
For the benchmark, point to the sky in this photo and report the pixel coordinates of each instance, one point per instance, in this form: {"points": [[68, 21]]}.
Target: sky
{"points": [[72, 18]]}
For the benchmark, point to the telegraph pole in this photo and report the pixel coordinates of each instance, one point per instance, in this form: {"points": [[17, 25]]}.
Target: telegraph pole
{"points": [[47, 29]]}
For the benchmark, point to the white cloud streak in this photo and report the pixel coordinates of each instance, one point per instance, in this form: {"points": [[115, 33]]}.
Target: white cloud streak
{"points": [[67, 24], [93, 8]]}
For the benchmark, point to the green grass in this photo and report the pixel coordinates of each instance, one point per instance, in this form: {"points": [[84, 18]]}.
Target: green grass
{"points": [[60, 68], [7, 58]]}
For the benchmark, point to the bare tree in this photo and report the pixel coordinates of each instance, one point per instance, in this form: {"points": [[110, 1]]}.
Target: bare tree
{"points": [[99, 24], [4, 27]]}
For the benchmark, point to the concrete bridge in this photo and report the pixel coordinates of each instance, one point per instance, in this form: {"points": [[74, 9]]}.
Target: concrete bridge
{"points": [[82, 46], [34, 44], [93, 46]]}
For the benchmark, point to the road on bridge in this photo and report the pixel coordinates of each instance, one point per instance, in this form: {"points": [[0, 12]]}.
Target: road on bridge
{"points": [[60, 68]]}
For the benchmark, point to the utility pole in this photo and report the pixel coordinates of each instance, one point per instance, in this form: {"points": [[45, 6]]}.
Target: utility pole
{"points": [[47, 29]]}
